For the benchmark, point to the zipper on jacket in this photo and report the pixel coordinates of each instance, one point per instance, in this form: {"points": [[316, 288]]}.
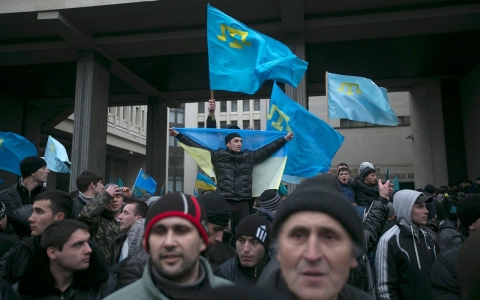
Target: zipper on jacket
{"points": [[255, 275]]}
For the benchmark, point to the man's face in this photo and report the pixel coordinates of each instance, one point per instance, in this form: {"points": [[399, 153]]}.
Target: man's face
{"points": [[344, 177], [41, 174], [315, 254], [75, 254], [42, 217], [175, 246], [235, 144], [127, 217], [215, 233], [115, 205], [250, 251], [371, 178], [97, 188], [419, 214]]}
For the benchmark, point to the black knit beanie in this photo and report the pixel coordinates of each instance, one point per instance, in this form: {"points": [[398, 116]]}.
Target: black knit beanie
{"points": [[270, 200], [230, 136], [257, 227], [468, 209], [30, 165], [321, 194], [218, 211], [367, 171], [177, 205]]}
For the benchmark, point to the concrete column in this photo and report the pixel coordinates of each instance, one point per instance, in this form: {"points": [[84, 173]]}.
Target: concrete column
{"points": [[470, 101], [430, 160], [296, 42], [89, 143], [157, 127]]}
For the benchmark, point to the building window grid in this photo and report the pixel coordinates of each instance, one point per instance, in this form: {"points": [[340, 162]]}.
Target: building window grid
{"points": [[223, 106], [256, 105], [246, 105], [234, 106], [345, 123], [201, 108]]}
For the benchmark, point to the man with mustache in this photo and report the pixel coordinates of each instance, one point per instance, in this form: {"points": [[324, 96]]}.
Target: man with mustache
{"points": [[66, 267], [176, 231]]}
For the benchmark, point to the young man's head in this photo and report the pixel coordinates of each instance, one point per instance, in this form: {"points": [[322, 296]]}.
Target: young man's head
{"points": [[176, 231], [36, 167], [132, 212], [116, 203], [342, 165], [66, 244], [468, 211], [270, 200], [252, 237], [3, 216], [234, 142], [90, 182], [319, 237], [410, 207], [368, 173], [343, 175], [49, 207], [218, 214]]}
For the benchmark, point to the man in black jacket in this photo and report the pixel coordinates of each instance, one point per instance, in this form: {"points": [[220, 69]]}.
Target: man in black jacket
{"points": [[66, 267], [89, 184], [252, 244], [233, 169], [365, 185]]}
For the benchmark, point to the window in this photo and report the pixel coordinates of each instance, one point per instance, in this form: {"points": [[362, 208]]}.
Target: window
{"points": [[201, 108], [223, 106], [180, 116], [138, 116], [234, 106], [246, 105], [171, 117], [125, 113], [171, 161], [223, 124], [256, 124], [175, 183], [404, 121], [246, 124], [172, 141], [201, 124], [112, 110], [256, 105], [143, 119], [344, 123], [179, 160]]}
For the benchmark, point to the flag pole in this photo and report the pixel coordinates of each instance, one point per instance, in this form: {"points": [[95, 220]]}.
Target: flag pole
{"points": [[326, 94]]}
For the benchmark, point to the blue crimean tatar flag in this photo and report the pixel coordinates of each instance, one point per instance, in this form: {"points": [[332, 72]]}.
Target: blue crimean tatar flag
{"points": [[359, 99], [13, 149], [56, 156], [315, 142], [205, 183], [145, 182], [241, 59]]}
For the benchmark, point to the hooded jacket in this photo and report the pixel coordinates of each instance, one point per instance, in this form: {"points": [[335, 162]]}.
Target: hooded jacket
{"points": [[405, 255], [18, 195], [234, 169], [365, 194], [232, 270], [447, 234]]}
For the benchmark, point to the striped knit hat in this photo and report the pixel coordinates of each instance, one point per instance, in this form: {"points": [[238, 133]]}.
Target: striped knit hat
{"points": [[270, 200], [177, 205], [255, 226]]}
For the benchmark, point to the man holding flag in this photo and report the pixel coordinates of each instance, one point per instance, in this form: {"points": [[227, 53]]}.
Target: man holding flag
{"points": [[234, 167]]}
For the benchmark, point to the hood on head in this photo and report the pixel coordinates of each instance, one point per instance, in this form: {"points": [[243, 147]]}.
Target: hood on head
{"points": [[403, 202]]}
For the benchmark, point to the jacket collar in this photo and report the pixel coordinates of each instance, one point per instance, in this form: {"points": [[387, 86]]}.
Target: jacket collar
{"points": [[253, 272]]}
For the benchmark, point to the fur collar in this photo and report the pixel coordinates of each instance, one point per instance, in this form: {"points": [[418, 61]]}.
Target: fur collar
{"points": [[37, 279]]}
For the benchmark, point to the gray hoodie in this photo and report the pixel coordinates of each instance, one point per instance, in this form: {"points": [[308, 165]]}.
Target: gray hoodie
{"points": [[403, 202]]}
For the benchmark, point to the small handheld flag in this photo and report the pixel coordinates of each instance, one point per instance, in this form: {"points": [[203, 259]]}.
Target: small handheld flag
{"points": [[145, 182]]}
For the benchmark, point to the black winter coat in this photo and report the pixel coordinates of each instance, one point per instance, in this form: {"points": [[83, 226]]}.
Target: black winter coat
{"points": [[234, 169], [18, 258], [17, 195], [94, 283], [444, 279], [131, 268], [232, 270], [447, 234], [364, 194]]}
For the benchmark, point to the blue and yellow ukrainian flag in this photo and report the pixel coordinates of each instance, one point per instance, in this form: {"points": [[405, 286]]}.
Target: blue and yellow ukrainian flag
{"points": [[266, 175], [205, 183]]}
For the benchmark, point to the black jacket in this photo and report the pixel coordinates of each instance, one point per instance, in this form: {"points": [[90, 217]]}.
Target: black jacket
{"points": [[232, 270], [234, 169], [444, 279], [18, 195], [219, 253], [365, 194], [447, 234], [90, 284], [131, 268], [18, 259]]}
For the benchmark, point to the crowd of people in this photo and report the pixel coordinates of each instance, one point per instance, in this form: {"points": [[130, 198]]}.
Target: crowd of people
{"points": [[331, 238]]}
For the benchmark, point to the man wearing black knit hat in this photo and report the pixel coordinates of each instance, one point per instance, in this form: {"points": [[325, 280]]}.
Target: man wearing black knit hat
{"points": [[234, 168], [34, 174], [176, 231], [269, 202], [252, 239]]}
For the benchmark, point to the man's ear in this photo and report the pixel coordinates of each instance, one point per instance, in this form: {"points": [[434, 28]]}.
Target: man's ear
{"points": [[92, 185], [59, 216], [52, 253]]}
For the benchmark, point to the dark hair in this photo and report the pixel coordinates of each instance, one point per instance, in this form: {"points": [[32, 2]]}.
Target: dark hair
{"points": [[342, 164], [141, 208], [87, 177], [60, 201], [342, 170], [59, 232]]}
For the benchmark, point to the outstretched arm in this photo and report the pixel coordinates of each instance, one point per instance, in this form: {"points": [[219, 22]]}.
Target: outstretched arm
{"points": [[376, 217], [267, 150], [186, 140], [211, 122]]}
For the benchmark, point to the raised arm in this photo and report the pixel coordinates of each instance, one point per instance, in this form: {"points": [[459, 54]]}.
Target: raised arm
{"points": [[376, 217], [186, 140], [211, 122], [266, 151]]}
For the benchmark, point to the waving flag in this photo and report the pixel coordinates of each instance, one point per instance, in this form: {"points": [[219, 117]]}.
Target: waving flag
{"points": [[145, 182], [266, 175], [241, 59], [205, 183], [13, 149], [56, 156], [358, 99], [315, 142]]}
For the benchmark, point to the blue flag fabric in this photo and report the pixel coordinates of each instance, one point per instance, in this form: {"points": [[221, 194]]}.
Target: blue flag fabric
{"points": [[315, 142], [205, 183], [56, 156], [13, 149], [241, 59], [145, 182], [358, 99]]}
